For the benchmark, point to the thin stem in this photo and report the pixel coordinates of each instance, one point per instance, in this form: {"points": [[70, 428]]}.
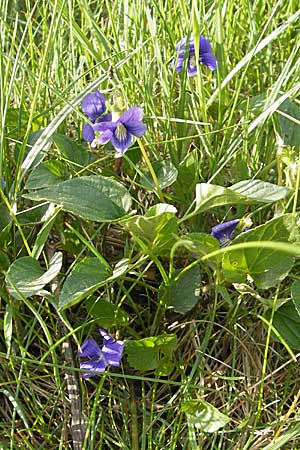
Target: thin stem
{"points": [[263, 373], [11, 212], [151, 170], [297, 186], [134, 420]]}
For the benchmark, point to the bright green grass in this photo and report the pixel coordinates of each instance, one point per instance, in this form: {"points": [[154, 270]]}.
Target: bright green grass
{"points": [[52, 53]]}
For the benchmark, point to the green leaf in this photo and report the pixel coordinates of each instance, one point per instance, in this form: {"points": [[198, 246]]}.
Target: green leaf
{"points": [[287, 322], [46, 174], [92, 198], [144, 354], [71, 150], [204, 416], [26, 275], [32, 139], [267, 267], [5, 217], [16, 121], [165, 172], [86, 277], [43, 234], [289, 129], [245, 192], [200, 244], [260, 191], [157, 230], [165, 367], [106, 313], [4, 261], [188, 172], [296, 295], [254, 104], [33, 215], [183, 293]]}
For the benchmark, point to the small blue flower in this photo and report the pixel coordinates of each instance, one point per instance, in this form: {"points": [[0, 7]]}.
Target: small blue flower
{"points": [[3, 182], [120, 131], [223, 231], [93, 105], [205, 55], [99, 358]]}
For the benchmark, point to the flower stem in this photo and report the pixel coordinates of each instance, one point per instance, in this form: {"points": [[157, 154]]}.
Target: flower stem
{"points": [[151, 170], [134, 420]]}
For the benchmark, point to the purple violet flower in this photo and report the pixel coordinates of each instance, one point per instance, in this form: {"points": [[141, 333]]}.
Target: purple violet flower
{"points": [[205, 55], [93, 106], [99, 358], [223, 231], [120, 131]]}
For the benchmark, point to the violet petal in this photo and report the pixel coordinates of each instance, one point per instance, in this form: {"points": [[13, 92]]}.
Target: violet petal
{"points": [[88, 133], [205, 46], [90, 348], [95, 365], [209, 60], [135, 113], [104, 137], [223, 231], [121, 144], [136, 128], [104, 126], [93, 105], [113, 352]]}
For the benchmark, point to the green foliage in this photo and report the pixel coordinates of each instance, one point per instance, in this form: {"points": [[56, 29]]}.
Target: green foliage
{"points": [[25, 277], [245, 192], [146, 354], [286, 319], [4, 261], [222, 145], [187, 173], [106, 313], [286, 322], [204, 416], [266, 267], [183, 292], [92, 198], [17, 120], [20, 152], [200, 244], [71, 150], [86, 277], [295, 291], [165, 172], [289, 122], [156, 231], [5, 217], [46, 174]]}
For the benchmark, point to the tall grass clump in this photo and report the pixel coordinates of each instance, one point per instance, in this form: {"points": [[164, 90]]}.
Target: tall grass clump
{"points": [[149, 225]]}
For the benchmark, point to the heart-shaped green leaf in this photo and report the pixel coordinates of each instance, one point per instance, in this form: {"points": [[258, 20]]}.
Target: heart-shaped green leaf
{"points": [[267, 267], [204, 416], [26, 276], [93, 198], [144, 354], [245, 192], [87, 276]]}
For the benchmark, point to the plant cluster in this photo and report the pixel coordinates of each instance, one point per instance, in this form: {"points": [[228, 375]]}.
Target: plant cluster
{"points": [[118, 230]]}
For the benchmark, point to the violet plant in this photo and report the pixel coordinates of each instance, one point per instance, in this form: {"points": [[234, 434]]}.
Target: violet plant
{"points": [[126, 245], [119, 129]]}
